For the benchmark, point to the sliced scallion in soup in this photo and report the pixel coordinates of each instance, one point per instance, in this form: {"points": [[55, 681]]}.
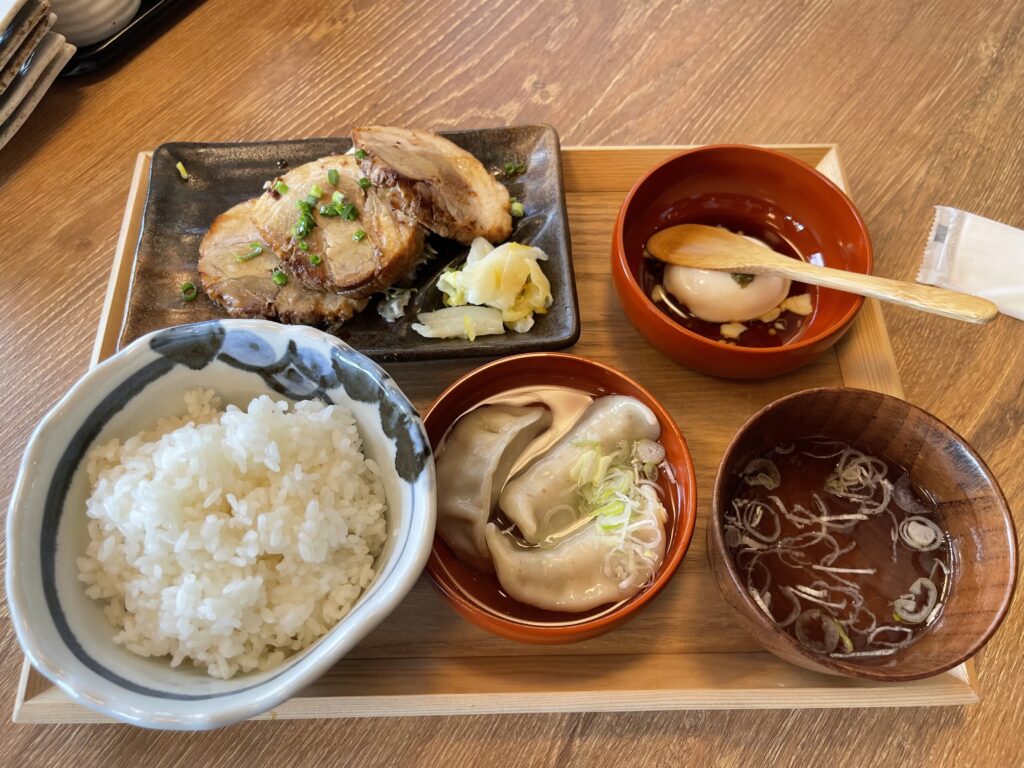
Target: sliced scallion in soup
{"points": [[837, 547]]}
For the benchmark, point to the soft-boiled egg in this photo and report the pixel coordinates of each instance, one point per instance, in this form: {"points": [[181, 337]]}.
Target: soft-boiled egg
{"points": [[719, 297]]}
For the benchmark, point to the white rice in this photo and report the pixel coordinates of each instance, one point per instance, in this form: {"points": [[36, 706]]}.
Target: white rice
{"points": [[233, 538]]}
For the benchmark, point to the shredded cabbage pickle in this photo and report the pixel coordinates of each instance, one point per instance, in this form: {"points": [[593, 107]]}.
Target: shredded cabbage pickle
{"points": [[393, 305], [459, 322], [507, 278]]}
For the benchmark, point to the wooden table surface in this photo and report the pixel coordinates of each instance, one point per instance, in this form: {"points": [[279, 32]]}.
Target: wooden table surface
{"points": [[923, 99]]}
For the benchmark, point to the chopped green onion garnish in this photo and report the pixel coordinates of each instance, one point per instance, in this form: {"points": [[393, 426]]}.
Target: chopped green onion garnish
{"points": [[514, 169], [279, 276], [312, 199], [329, 210], [306, 222], [332, 176], [316, 192], [360, 154], [280, 187], [358, 235], [337, 198], [255, 249], [315, 259], [349, 212], [364, 183], [184, 175], [845, 638], [189, 291], [516, 209], [303, 245]]}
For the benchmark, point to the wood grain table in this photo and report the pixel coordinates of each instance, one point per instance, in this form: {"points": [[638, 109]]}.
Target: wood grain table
{"points": [[922, 97]]}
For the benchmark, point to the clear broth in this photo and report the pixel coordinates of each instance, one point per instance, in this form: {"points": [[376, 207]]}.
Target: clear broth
{"points": [[870, 546]]}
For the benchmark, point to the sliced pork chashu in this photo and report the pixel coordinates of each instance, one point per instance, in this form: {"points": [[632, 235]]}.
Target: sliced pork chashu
{"points": [[440, 185], [247, 289], [357, 257]]}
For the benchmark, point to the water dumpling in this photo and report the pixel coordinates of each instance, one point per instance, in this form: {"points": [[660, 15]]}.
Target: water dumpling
{"points": [[540, 499], [591, 567], [478, 455]]}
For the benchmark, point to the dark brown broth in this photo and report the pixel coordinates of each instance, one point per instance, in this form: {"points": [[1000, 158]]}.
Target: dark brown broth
{"points": [[896, 568], [758, 334]]}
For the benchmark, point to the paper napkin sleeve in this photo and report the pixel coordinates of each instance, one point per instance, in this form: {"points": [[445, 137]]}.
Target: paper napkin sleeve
{"points": [[976, 255]]}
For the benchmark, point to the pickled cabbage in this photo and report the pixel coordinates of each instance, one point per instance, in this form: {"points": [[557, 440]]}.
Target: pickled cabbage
{"points": [[465, 322], [508, 278]]}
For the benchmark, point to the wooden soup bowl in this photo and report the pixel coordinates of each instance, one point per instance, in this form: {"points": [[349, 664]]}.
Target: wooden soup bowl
{"points": [[971, 507]]}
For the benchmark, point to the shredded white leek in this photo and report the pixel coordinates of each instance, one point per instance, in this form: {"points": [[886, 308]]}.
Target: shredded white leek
{"points": [[618, 493], [762, 472], [831, 613]]}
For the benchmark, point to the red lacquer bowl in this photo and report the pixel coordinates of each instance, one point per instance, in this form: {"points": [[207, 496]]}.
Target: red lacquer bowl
{"points": [[767, 194], [478, 596]]}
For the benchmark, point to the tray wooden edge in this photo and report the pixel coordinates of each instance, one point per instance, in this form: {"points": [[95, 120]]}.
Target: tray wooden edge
{"points": [[51, 706], [119, 284], [866, 360]]}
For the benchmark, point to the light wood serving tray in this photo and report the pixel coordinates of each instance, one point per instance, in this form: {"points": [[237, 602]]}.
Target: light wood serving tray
{"points": [[684, 651]]}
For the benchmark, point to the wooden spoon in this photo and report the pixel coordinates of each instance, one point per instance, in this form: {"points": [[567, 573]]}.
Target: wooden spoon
{"points": [[702, 247]]}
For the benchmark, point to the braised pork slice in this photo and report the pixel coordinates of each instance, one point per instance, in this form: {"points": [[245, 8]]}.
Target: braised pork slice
{"points": [[357, 247], [246, 288], [440, 185]]}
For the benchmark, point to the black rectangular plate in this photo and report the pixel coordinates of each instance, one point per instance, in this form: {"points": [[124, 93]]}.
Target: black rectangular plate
{"points": [[177, 214]]}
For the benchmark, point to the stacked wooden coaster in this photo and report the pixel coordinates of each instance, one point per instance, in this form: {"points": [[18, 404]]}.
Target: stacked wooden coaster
{"points": [[31, 56]]}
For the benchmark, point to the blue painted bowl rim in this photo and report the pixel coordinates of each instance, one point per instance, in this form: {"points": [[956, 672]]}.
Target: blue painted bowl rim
{"points": [[324, 654]]}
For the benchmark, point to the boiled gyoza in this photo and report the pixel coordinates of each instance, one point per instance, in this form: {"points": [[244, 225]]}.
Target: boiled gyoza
{"points": [[587, 569], [543, 498], [583, 524], [478, 455]]}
